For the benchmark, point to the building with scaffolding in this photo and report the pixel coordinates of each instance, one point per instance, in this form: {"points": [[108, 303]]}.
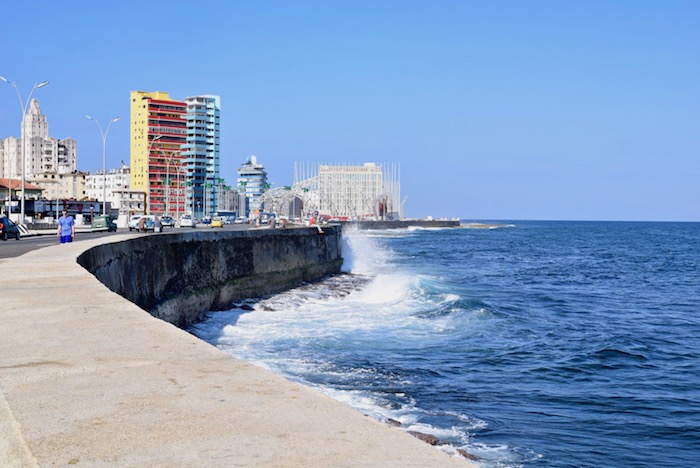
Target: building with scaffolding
{"points": [[340, 191], [347, 191]]}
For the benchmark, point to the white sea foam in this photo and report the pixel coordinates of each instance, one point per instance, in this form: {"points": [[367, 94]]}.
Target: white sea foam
{"points": [[361, 255], [377, 306], [386, 289], [424, 228]]}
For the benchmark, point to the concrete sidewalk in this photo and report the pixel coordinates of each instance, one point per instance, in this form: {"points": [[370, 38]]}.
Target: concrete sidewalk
{"points": [[88, 378]]}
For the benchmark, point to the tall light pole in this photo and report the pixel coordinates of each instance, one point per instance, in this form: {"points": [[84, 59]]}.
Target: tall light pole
{"points": [[181, 190], [104, 158], [23, 105], [148, 157], [167, 180]]}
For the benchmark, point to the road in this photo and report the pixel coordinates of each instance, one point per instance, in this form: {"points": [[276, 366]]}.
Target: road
{"points": [[12, 248]]}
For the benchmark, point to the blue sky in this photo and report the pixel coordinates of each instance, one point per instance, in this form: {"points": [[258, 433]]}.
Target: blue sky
{"points": [[494, 109]]}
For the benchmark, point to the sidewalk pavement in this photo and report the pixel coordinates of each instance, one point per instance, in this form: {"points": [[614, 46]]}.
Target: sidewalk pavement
{"points": [[88, 378]]}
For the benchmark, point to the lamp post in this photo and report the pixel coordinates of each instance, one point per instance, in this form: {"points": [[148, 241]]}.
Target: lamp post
{"points": [[167, 180], [148, 183], [57, 197], [104, 158], [23, 105], [180, 198]]}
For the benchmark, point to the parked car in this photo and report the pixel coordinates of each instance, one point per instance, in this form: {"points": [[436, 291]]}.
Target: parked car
{"points": [[167, 221], [8, 229], [187, 221], [217, 222], [103, 223], [135, 221]]}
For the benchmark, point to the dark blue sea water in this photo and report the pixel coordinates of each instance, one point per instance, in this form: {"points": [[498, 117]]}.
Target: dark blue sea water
{"points": [[536, 344]]}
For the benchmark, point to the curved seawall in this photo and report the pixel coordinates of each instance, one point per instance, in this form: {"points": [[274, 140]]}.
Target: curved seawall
{"points": [[88, 378], [179, 277]]}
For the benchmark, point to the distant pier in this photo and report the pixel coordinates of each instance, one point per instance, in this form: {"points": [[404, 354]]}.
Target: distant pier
{"points": [[402, 224]]}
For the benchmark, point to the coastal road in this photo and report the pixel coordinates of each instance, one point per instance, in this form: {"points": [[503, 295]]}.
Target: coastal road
{"points": [[12, 248]]}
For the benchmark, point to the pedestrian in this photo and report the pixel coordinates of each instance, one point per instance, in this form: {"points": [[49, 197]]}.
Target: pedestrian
{"points": [[158, 225], [142, 224], [66, 228]]}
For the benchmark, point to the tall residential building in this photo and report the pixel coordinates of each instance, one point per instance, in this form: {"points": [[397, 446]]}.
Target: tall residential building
{"points": [[252, 183], [202, 157], [42, 154], [158, 134]]}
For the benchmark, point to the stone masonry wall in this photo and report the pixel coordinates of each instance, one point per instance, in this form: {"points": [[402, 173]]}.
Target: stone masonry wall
{"points": [[178, 277]]}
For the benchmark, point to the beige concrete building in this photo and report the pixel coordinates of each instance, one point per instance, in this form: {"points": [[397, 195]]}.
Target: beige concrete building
{"points": [[64, 186], [43, 154]]}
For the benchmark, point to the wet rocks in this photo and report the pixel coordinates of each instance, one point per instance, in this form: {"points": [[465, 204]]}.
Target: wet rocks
{"points": [[428, 438], [393, 422]]}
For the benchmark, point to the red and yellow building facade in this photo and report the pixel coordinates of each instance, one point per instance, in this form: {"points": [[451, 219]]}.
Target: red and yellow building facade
{"points": [[158, 131]]}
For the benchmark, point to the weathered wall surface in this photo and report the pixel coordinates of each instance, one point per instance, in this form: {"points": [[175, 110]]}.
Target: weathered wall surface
{"points": [[178, 277]]}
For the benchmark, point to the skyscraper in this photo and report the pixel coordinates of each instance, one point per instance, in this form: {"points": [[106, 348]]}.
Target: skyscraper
{"points": [[42, 154], [201, 153], [158, 134], [252, 183]]}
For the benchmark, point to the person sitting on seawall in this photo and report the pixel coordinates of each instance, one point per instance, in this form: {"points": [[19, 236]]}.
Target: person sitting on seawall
{"points": [[66, 228]]}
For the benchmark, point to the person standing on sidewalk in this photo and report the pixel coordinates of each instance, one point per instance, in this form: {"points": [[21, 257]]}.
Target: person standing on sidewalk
{"points": [[66, 228]]}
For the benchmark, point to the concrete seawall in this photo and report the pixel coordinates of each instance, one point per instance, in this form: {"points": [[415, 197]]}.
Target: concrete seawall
{"points": [[180, 277], [88, 378], [402, 224]]}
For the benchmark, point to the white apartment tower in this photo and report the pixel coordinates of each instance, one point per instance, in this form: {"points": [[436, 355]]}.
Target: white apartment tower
{"points": [[201, 155], [252, 183]]}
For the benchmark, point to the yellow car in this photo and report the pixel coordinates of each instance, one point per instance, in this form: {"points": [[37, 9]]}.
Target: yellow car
{"points": [[217, 222]]}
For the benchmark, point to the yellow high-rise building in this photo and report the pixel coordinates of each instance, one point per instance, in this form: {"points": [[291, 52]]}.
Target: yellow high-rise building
{"points": [[158, 131]]}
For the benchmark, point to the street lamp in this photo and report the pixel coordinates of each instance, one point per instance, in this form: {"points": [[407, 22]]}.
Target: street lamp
{"points": [[168, 160], [104, 158], [23, 106], [180, 190], [148, 183]]}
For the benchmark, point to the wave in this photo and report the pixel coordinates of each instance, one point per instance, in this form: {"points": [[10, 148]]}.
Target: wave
{"points": [[485, 226], [346, 337]]}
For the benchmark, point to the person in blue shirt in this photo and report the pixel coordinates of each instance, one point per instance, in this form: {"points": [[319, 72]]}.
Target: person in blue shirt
{"points": [[66, 228]]}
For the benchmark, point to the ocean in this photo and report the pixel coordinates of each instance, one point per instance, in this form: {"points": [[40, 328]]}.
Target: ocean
{"points": [[527, 344]]}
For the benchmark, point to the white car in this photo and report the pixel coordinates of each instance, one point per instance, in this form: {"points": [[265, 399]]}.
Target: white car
{"points": [[240, 220], [187, 221], [134, 222]]}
